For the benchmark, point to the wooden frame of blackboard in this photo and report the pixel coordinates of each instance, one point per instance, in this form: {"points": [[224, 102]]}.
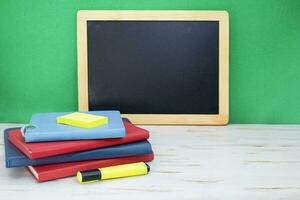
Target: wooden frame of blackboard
{"points": [[146, 15]]}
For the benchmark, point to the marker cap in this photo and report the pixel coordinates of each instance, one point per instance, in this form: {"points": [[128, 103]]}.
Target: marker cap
{"points": [[89, 176]]}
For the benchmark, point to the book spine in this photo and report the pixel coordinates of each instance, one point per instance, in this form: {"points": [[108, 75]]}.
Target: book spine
{"points": [[17, 162]]}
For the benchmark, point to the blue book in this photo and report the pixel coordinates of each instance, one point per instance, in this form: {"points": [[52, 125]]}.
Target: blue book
{"points": [[15, 158], [43, 127]]}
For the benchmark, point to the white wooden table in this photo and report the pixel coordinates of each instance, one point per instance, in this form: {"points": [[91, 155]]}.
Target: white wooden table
{"points": [[232, 162]]}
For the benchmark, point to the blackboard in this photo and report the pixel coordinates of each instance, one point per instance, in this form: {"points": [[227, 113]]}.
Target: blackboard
{"points": [[161, 67]]}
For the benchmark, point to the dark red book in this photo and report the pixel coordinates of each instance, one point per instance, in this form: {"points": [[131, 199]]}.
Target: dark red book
{"points": [[46, 149], [55, 171]]}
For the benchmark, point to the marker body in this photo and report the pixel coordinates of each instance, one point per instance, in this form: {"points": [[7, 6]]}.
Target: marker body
{"points": [[119, 171]]}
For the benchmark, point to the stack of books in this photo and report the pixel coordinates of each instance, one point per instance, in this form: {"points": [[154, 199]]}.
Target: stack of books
{"points": [[50, 150]]}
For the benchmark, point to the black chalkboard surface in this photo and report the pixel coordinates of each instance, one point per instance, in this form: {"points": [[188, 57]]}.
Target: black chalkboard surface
{"points": [[162, 67], [156, 67]]}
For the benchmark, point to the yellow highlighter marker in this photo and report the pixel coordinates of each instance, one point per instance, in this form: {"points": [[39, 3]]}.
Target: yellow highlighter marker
{"points": [[118, 171], [82, 120]]}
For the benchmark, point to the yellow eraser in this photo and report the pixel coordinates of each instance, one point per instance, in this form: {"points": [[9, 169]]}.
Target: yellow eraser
{"points": [[82, 120]]}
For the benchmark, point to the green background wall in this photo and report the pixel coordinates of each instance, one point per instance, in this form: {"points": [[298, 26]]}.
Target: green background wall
{"points": [[38, 55]]}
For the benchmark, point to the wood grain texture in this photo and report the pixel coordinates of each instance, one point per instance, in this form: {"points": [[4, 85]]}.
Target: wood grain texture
{"points": [[179, 15], [192, 162], [82, 69]]}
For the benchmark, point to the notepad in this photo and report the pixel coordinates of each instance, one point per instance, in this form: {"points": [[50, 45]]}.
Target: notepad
{"points": [[15, 158], [43, 127], [82, 120], [45, 149], [55, 171]]}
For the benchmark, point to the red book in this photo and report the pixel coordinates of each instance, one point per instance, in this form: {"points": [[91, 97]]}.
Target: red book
{"points": [[54, 171], [46, 149]]}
